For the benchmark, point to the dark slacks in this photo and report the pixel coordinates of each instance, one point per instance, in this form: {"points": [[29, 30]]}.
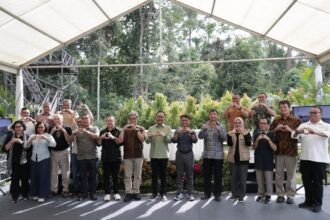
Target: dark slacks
{"points": [[75, 173], [88, 168], [238, 179], [111, 169], [212, 167], [159, 170], [20, 180], [312, 174], [40, 178]]}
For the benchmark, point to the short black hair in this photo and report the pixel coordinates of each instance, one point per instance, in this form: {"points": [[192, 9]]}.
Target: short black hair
{"points": [[284, 102], [267, 119], [160, 112], [318, 107], [18, 122], [213, 110], [185, 116]]}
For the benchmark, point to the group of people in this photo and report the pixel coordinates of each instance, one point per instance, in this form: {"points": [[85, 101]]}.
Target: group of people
{"points": [[51, 141]]}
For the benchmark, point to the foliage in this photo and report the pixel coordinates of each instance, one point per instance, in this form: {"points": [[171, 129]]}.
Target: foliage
{"points": [[7, 103]]}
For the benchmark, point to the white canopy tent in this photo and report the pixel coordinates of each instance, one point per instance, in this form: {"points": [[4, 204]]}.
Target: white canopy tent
{"points": [[31, 29]]}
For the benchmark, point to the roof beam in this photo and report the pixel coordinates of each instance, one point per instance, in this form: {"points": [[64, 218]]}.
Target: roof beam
{"points": [[101, 9], [281, 16], [213, 7], [30, 25], [8, 68]]}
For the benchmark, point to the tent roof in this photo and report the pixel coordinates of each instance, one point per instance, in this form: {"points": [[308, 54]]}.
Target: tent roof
{"points": [[31, 29]]}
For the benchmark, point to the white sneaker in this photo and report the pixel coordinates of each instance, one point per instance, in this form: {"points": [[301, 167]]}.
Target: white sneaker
{"points": [[107, 197], [163, 198], [35, 198], [41, 200], [178, 197], [190, 198], [117, 197]]}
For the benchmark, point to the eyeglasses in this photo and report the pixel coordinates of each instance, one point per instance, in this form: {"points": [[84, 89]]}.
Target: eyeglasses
{"points": [[263, 123], [314, 113]]}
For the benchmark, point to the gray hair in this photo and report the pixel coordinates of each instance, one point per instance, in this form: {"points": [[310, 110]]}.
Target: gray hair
{"points": [[133, 113]]}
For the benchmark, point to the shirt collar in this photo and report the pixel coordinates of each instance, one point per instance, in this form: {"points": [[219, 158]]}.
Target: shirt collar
{"points": [[317, 123], [160, 126]]}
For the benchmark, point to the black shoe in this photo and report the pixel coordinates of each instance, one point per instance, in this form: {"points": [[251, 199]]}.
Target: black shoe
{"points": [[205, 197], [15, 200], [280, 199], [92, 197], [217, 198], [82, 197], [317, 208], [289, 201], [267, 199], [52, 194], [128, 197], [259, 199], [304, 205], [136, 197]]}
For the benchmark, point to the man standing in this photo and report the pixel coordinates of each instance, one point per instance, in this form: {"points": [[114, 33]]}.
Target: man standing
{"points": [[46, 115], [214, 134], [235, 110], [69, 116], [86, 138], [132, 136], [29, 122], [111, 157], [261, 110], [264, 147], [286, 153], [60, 156], [159, 136], [314, 136], [184, 160]]}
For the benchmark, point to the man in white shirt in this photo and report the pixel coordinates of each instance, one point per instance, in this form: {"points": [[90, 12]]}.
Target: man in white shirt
{"points": [[314, 136]]}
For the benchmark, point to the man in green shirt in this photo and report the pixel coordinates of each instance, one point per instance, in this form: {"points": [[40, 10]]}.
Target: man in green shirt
{"points": [[159, 136]]}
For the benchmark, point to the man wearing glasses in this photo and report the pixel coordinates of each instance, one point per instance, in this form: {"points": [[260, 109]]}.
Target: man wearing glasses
{"points": [[314, 137]]}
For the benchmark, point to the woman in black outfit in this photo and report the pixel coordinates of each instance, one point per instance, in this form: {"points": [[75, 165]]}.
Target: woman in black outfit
{"points": [[18, 161]]}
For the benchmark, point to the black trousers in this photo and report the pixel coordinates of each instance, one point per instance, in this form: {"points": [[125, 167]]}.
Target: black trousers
{"points": [[312, 174], [212, 167], [20, 180], [159, 169], [111, 169]]}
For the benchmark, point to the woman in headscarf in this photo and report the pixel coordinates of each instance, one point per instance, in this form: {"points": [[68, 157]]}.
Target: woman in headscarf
{"points": [[239, 142]]}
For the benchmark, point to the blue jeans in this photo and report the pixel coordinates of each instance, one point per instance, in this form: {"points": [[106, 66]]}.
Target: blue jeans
{"points": [[75, 173], [88, 168]]}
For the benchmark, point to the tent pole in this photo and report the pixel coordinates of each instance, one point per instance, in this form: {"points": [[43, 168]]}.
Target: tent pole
{"points": [[19, 94]]}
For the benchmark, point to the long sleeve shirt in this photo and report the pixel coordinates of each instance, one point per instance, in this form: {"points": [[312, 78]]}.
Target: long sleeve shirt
{"points": [[40, 149], [213, 141], [159, 143]]}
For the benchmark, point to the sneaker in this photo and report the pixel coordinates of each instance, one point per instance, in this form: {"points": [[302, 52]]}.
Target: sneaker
{"points": [[52, 194], [163, 198], [205, 197], [280, 199], [25, 198], [241, 199], [127, 198], [232, 198], [153, 197], [65, 194], [107, 197], [35, 198], [267, 199], [136, 197], [289, 201], [259, 199], [316, 208], [82, 197], [41, 200], [14, 200], [190, 198], [117, 197], [304, 205], [178, 197], [92, 197], [217, 198]]}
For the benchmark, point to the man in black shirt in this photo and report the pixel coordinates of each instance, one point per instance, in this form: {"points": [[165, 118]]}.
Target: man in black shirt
{"points": [[111, 157], [264, 146], [60, 155]]}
